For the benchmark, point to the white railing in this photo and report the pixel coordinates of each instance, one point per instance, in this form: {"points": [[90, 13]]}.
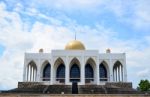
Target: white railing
{"points": [[103, 79], [45, 79]]}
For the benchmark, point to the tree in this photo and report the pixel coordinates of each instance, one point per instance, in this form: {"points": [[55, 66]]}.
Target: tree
{"points": [[144, 85]]}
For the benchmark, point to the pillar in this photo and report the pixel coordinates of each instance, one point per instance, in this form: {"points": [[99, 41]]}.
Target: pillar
{"points": [[67, 72], [116, 74], [110, 70], [122, 72], [119, 73], [27, 76], [82, 71], [97, 72], [52, 78]]}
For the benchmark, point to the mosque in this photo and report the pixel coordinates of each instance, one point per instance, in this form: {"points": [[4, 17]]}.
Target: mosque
{"points": [[75, 64], [74, 70]]}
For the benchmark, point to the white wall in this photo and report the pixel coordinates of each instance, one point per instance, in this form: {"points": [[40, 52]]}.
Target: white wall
{"points": [[82, 56]]}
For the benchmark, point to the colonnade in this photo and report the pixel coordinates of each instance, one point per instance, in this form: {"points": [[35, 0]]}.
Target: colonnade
{"points": [[118, 72], [31, 72], [104, 72]]}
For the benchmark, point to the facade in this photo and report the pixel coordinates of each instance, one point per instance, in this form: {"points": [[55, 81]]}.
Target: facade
{"points": [[75, 64]]}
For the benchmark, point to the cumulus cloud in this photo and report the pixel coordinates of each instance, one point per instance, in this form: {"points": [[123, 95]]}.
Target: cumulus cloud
{"points": [[144, 73], [18, 36]]}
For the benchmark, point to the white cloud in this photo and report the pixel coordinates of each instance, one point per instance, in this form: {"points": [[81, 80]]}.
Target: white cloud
{"points": [[144, 73], [135, 13], [17, 39], [70, 4]]}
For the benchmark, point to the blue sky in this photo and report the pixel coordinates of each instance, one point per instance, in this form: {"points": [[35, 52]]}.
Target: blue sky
{"points": [[28, 25]]}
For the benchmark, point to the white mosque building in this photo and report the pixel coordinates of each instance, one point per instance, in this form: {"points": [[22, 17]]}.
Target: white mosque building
{"points": [[75, 64]]}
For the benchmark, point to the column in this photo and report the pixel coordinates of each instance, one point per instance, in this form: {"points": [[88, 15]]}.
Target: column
{"points": [[110, 69], [124, 69], [67, 72], [97, 71], [31, 74], [122, 73], [82, 69], [113, 75], [116, 74], [38, 76], [119, 73], [27, 76], [52, 72]]}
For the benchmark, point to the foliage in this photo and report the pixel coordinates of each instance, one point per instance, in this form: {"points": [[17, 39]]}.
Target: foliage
{"points": [[144, 85]]}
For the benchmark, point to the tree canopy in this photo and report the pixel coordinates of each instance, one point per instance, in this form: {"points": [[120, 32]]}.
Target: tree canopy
{"points": [[144, 85]]}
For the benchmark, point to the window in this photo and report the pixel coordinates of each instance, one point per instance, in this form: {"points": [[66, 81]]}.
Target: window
{"points": [[75, 73], [61, 73], [103, 72], [46, 72], [88, 73]]}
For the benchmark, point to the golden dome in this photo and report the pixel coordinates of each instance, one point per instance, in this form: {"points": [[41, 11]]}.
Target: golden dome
{"points": [[75, 45]]}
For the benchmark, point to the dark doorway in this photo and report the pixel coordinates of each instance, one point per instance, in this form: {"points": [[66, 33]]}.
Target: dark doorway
{"points": [[74, 88]]}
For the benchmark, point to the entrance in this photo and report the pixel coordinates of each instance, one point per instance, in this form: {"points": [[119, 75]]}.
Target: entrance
{"points": [[74, 88]]}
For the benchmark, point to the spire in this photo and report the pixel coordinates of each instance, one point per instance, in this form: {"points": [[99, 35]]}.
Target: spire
{"points": [[75, 35]]}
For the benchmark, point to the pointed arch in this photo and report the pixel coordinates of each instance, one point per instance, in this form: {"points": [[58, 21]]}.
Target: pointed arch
{"points": [[89, 70], [118, 71], [60, 75], [46, 71], [32, 63], [60, 70], [31, 71], [103, 71], [75, 70]]}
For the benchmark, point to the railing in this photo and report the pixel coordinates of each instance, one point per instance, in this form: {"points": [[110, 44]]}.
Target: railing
{"points": [[75, 79], [103, 79], [60, 80], [89, 80], [45, 79]]}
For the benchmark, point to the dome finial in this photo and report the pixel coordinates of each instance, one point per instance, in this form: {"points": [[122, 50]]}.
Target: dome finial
{"points": [[75, 35]]}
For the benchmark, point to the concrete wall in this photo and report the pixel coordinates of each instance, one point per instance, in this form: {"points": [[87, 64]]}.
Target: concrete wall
{"points": [[74, 95]]}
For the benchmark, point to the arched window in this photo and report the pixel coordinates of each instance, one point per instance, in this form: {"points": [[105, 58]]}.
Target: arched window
{"points": [[89, 75], [46, 72], [118, 71], [102, 72], [75, 73], [61, 73], [31, 72]]}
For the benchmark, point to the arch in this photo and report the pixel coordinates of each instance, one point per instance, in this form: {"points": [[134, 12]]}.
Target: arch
{"points": [[103, 71], [31, 71], [75, 70], [46, 71], [89, 70], [118, 71], [32, 63], [59, 70], [89, 74], [60, 75]]}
